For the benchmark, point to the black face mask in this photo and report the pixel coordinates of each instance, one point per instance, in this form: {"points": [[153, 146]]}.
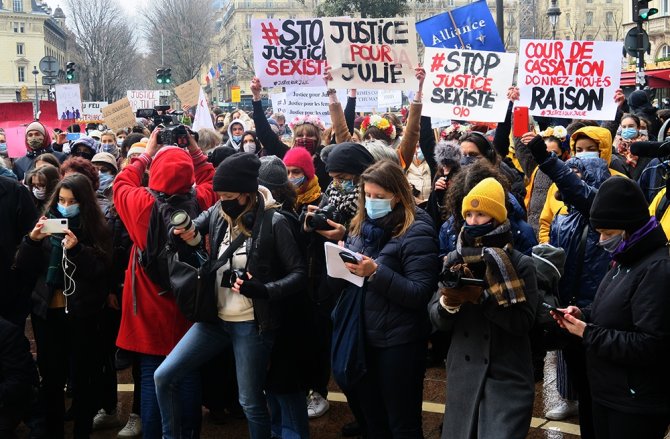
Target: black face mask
{"points": [[479, 230], [232, 208], [219, 124]]}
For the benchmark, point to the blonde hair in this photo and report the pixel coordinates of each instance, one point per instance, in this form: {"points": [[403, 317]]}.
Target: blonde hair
{"points": [[391, 178], [309, 129], [251, 205], [108, 133]]}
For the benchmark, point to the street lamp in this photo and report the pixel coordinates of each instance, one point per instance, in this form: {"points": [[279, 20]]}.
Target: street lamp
{"points": [[37, 102], [553, 13]]}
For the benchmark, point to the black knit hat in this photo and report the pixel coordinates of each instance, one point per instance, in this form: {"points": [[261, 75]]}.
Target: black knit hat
{"points": [[350, 158], [219, 154], [272, 173], [620, 205], [238, 173]]}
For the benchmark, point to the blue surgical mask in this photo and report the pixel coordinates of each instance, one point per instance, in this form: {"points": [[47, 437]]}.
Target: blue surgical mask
{"points": [[344, 185], [468, 160], [237, 139], [68, 211], [297, 182], [419, 155], [106, 180], [3, 147], [119, 142], [378, 207], [629, 133], [588, 155]]}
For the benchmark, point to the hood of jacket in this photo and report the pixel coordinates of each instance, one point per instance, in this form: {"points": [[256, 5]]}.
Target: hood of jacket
{"points": [[601, 136], [594, 171], [171, 171], [549, 264], [230, 128]]}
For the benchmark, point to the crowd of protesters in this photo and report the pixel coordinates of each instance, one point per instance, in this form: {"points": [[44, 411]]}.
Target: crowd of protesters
{"points": [[463, 238]]}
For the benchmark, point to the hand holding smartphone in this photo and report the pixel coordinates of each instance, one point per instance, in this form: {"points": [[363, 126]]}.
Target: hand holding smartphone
{"points": [[554, 309], [55, 225], [350, 258]]}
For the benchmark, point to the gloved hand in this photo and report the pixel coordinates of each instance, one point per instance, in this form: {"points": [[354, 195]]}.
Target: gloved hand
{"points": [[538, 148], [254, 289], [454, 297]]}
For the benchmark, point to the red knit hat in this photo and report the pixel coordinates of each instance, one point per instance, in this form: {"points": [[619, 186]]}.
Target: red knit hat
{"points": [[171, 171], [300, 158]]}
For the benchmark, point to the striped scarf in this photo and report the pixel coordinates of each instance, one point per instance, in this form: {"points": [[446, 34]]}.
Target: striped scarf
{"points": [[501, 276]]}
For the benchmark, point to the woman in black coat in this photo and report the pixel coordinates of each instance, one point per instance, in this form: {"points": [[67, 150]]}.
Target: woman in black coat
{"points": [[626, 330], [399, 262]]}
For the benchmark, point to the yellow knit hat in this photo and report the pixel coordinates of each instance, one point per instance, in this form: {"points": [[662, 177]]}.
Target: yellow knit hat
{"points": [[487, 197]]}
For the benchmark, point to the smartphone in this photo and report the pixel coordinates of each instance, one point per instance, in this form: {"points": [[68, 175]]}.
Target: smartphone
{"points": [[521, 121], [553, 308], [55, 225], [71, 137], [348, 257]]}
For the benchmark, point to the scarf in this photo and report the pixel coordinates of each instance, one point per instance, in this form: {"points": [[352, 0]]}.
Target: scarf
{"points": [[311, 193], [55, 277], [623, 148], [344, 202], [636, 237], [376, 233], [493, 249]]}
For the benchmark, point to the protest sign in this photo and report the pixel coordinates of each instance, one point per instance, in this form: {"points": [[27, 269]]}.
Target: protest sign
{"points": [[373, 53], [145, 98], [68, 101], [300, 102], [119, 114], [289, 52], [467, 84], [92, 110], [366, 100], [388, 99], [570, 79], [202, 118], [470, 27], [188, 92], [16, 141]]}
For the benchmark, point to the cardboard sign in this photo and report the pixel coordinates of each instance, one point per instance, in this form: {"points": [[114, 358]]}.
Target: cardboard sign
{"points": [[16, 141], [68, 101], [570, 79], [145, 98], [119, 114], [289, 52], [188, 92], [377, 53], [470, 27], [92, 110], [467, 84], [299, 102]]}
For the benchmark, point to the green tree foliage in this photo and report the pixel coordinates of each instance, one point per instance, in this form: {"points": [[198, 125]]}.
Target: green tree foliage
{"points": [[366, 8]]}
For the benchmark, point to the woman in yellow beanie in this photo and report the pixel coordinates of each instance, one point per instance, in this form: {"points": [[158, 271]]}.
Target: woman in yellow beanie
{"points": [[488, 301]]}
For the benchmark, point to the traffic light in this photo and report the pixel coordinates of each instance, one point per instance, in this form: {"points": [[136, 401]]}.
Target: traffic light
{"points": [[159, 75], [167, 76], [69, 71], [641, 11]]}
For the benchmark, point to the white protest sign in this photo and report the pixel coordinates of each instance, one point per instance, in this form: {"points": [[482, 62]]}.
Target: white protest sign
{"points": [[467, 84], [299, 102], [377, 53], [289, 52], [366, 100], [389, 98], [68, 101], [202, 118], [92, 110], [145, 98], [570, 79]]}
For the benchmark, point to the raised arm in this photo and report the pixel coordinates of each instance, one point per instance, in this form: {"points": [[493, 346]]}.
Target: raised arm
{"points": [[268, 138], [408, 144]]}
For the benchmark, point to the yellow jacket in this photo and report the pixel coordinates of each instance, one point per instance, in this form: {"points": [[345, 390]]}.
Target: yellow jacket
{"points": [[665, 219]]}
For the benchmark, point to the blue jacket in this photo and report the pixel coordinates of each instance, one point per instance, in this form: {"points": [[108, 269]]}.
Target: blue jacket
{"points": [[396, 300], [567, 230]]}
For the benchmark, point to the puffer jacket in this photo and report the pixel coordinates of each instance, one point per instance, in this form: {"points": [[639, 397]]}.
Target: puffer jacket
{"points": [[567, 230], [396, 300]]}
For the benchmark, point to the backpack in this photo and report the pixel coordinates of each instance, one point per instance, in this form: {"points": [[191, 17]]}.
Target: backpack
{"points": [[154, 257]]}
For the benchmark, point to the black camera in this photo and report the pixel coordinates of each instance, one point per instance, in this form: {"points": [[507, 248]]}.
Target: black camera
{"points": [[174, 135], [456, 279], [319, 221], [230, 277]]}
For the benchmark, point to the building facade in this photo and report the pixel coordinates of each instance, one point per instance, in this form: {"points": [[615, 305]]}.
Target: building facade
{"points": [[28, 32]]}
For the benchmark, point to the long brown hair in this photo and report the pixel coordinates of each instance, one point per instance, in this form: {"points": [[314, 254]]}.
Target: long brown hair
{"points": [[391, 178]]}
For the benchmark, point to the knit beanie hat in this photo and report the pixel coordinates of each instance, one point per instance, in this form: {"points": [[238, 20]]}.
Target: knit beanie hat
{"points": [[488, 197], [620, 205], [107, 159], [137, 148], [36, 126], [300, 158], [350, 158], [219, 154], [238, 173], [272, 173]]}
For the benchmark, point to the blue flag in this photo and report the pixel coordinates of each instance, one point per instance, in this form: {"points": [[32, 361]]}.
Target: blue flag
{"points": [[469, 27]]}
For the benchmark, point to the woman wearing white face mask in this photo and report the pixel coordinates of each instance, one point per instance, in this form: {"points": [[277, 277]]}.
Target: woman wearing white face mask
{"points": [[41, 182], [630, 131], [251, 144], [399, 260]]}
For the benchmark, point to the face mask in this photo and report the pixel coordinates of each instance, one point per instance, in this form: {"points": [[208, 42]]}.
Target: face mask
{"points": [[106, 180], [297, 182], [237, 139], [629, 133], [588, 155], [419, 156], [468, 160], [477, 230], [611, 244], [307, 143], [377, 207], [119, 142], [344, 185], [219, 124], [107, 147], [644, 133], [232, 208], [249, 147], [35, 143], [40, 194], [68, 211], [3, 147]]}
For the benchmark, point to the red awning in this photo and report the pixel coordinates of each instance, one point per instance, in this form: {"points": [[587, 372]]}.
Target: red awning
{"points": [[627, 79], [655, 78]]}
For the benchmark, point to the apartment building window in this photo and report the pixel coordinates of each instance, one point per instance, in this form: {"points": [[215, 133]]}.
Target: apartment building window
{"points": [[19, 27], [22, 74], [270, 16], [567, 19], [450, 2], [589, 18], [589, 1], [20, 49], [248, 20], [664, 52], [589, 38], [609, 18], [18, 5], [608, 37]]}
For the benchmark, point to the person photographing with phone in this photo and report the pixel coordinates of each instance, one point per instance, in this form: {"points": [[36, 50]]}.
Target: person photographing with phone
{"points": [[626, 329]]}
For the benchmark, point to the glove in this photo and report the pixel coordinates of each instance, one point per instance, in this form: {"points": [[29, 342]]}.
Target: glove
{"points": [[254, 289], [538, 148], [455, 297]]}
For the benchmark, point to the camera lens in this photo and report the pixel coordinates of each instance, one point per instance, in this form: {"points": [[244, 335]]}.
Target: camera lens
{"points": [[180, 220]]}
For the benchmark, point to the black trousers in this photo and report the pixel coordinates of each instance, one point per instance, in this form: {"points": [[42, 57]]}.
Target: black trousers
{"points": [[575, 360], [109, 329], [60, 337], [9, 420], [614, 424], [391, 392]]}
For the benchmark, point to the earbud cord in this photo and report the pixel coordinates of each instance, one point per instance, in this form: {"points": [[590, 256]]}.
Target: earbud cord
{"points": [[69, 284]]}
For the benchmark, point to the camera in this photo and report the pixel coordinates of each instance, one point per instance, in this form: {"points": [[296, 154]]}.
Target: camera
{"points": [[319, 221], [180, 220], [455, 280], [174, 135], [230, 277]]}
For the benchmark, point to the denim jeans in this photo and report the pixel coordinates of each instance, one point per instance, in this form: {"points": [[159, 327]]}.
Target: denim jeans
{"points": [[188, 393], [203, 341], [288, 412]]}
